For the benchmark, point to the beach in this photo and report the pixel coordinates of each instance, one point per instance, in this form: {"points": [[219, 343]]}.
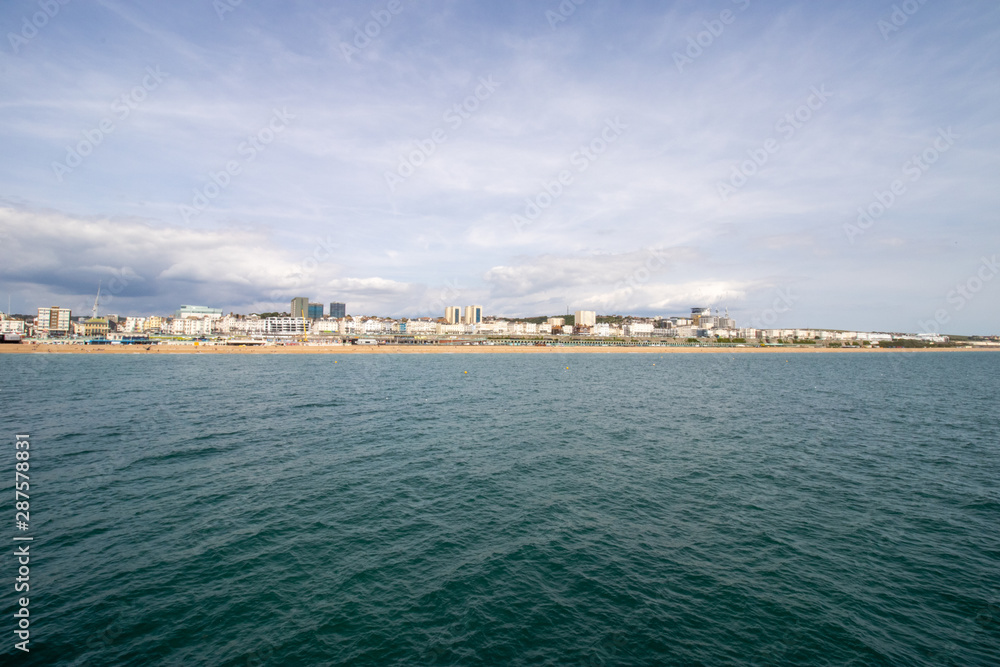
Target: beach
{"points": [[49, 348]]}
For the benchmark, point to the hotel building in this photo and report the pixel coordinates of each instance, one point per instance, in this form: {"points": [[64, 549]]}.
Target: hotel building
{"points": [[473, 315], [53, 321]]}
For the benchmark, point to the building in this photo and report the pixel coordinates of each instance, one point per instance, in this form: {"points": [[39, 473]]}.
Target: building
{"points": [[698, 313], [300, 306], [496, 328], [53, 321], [375, 325], [421, 327], [684, 332], [325, 326], [557, 321], [134, 325], [9, 326], [198, 311], [338, 310], [638, 329], [473, 315], [451, 329], [95, 327], [154, 323], [285, 326], [314, 311], [585, 318], [452, 315], [195, 327]]}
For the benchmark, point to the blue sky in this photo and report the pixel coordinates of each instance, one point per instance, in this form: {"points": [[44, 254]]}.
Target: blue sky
{"points": [[639, 157]]}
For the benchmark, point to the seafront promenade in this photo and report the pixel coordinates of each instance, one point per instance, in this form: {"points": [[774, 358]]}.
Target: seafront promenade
{"points": [[48, 348]]}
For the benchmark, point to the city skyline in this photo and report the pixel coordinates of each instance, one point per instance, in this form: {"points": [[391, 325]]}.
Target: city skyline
{"points": [[630, 158]]}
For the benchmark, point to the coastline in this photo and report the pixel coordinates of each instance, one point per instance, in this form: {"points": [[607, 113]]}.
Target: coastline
{"points": [[45, 348]]}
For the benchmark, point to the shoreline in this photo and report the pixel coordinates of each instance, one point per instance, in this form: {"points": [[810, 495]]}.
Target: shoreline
{"points": [[45, 348]]}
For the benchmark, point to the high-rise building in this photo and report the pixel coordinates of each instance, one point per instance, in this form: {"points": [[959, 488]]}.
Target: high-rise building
{"points": [[452, 314], [53, 321], [698, 313], [300, 306], [585, 318], [315, 311], [473, 315], [338, 310]]}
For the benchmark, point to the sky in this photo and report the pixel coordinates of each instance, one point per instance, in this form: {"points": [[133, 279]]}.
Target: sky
{"points": [[801, 164]]}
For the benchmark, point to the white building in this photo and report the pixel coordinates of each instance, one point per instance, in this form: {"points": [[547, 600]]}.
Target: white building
{"points": [[191, 326], [497, 328], [421, 328], [635, 329], [325, 326], [585, 318], [285, 326], [372, 327], [9, 326], [134, 325], [776, 333], [227, 325], [684, 332]]}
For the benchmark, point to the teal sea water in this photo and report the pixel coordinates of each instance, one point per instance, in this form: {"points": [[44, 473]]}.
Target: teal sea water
{"points": [[626, 510]]}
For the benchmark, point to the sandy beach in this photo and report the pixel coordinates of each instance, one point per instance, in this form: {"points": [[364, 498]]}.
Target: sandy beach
{"points": [[48, 348]]}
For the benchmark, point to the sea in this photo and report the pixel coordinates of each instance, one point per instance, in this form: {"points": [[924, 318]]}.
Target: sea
{"points": [[505, 509]]}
